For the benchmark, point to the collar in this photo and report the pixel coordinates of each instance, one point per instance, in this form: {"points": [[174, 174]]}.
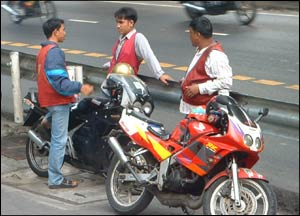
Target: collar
{"points": [[128, 36], [199, 52]]}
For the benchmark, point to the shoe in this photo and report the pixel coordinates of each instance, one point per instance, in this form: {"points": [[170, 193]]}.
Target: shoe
{"points": [[66, 183]]}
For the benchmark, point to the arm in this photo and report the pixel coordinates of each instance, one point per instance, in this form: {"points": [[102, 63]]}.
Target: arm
{"points": [[144, 51], [217, 67], [58, 76]]}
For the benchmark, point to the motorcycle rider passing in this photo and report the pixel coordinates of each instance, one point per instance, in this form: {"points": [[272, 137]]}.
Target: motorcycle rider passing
{"points": [[25, 7]]}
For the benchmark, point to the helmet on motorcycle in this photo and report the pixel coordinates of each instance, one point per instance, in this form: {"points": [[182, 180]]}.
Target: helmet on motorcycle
{"points": [[216, 116], [123, 68]]}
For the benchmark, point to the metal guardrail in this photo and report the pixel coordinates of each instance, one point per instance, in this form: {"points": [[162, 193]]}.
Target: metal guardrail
{"points": [[280, 113]]}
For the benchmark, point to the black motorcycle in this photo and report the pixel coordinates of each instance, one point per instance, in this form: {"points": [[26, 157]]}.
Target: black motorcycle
{"points": [[20, 10], [92, 121], [245, 10]]}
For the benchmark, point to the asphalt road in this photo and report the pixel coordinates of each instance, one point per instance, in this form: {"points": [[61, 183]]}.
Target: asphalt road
{"points": [[264, 56]]}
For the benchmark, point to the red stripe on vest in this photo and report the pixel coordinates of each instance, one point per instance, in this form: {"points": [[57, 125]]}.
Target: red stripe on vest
{"points": [[126, 55], [47, 96], [198, 75]]}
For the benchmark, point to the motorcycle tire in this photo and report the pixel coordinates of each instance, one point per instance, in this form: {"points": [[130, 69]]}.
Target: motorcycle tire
{"points": [[257, 198], [114, 196], [246, 11], [37, 159]]}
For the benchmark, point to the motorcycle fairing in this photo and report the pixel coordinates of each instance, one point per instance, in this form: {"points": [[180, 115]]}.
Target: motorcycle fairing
{"points": [[137, 130], [132, 86]]}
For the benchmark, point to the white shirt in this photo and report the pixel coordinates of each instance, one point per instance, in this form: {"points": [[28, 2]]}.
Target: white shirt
{"points": [[143, 52], [217, 67]]}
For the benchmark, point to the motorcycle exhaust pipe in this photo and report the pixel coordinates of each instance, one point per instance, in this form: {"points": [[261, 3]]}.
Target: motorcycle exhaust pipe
{"points": [[117, 149], [36, 139], [10, 10]]}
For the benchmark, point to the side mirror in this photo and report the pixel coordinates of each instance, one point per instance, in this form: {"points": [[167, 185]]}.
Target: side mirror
{"points": [[265, 112], [222, 99]]}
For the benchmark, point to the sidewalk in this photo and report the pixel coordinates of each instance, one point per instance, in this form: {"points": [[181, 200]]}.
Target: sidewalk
{"points": [[16, 173]]}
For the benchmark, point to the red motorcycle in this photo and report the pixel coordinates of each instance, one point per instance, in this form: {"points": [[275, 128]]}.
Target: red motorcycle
{"points": [[206, 161]]}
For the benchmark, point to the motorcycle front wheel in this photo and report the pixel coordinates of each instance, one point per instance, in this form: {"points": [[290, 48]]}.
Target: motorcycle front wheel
{"points": [[246, 11], [38, 158], [257, 198], [126, 197]]}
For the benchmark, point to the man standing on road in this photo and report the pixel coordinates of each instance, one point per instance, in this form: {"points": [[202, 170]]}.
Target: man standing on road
{"points": [[209, 73], [56, 93], [133, 47]]}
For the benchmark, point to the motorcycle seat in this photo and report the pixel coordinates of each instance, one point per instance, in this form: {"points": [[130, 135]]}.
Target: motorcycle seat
{"points": [[158, 131], [144, 118], [154, 127]]}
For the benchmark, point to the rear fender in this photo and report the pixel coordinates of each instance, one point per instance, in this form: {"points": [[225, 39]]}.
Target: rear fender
{"points": [[243, 173]]}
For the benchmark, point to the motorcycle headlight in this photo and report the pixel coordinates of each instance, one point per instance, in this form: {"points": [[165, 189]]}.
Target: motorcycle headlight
{"points": [[147, 108], [257, 143], [248, 140]]}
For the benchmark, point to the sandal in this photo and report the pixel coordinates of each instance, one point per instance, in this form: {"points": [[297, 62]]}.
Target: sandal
{"points": [[66, 183]]}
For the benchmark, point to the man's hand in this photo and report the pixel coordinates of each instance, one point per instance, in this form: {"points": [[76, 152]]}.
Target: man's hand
{"points": [[191, 91], [165, 78], [87, 89]]}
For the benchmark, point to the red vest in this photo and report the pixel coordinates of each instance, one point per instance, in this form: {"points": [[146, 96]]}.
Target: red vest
{"points": [[126, 55], [198, 75], [47, 96]]}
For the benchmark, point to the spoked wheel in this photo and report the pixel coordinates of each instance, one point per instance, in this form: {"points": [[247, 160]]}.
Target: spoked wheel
{"points": [[246, 11], [38, 158], [125, 197], [257, 198]]}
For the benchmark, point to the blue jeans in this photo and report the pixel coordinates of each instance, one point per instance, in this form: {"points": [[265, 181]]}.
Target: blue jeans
{"points": [[59, 135]]}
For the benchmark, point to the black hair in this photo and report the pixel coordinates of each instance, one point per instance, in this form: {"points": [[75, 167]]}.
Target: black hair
{"points": [[203, 26], [127, 13], [50, 25]]}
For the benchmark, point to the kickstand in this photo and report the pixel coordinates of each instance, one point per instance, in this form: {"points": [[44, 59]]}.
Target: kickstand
{"points": [[187, 210]]}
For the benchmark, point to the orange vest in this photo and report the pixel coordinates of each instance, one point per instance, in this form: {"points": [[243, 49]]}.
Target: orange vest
{"points": [[126, 55], [198, 75], [47, 96]]}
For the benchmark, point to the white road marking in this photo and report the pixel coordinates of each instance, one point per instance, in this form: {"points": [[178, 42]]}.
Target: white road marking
{"points": [[83, 21]]}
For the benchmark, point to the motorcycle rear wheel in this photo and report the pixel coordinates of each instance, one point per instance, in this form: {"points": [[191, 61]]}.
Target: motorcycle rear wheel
{"points": [[37, 158], [246, 11], [125, 198], [257, 198]]}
